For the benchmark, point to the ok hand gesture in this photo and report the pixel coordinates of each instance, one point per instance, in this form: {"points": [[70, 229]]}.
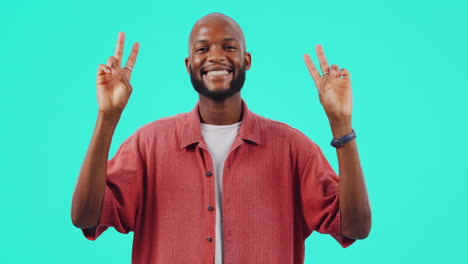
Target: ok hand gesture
{"points": [[334, 86], [113, 81]]}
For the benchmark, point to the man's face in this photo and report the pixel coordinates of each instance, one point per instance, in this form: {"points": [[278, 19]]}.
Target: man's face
{"points": [[218, 60]]}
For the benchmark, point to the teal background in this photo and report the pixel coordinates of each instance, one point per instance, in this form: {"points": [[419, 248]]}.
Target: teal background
{"points": [[408, 66]]}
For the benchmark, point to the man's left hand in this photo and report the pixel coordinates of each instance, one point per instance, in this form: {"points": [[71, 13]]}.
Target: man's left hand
{"points": [[334, 87]]}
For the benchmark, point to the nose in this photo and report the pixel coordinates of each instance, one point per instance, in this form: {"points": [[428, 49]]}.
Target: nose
{"points": [[216, 54]]}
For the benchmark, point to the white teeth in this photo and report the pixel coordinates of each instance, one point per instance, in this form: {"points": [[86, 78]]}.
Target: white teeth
{"points": [[215, 73]]}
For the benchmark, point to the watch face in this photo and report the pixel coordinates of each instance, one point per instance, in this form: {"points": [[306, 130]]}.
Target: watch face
{"points": [[339, 142]]}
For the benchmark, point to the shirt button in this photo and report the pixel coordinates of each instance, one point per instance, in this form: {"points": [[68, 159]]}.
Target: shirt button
{"points": [[210, 208], [209, 239], [208, 173]]}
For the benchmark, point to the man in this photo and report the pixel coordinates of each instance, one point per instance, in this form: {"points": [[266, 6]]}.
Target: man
{"points": [[220, 184]]}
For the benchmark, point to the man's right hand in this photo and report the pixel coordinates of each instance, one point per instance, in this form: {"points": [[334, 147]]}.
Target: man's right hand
{"points": [[113, 80], [113, 91]]}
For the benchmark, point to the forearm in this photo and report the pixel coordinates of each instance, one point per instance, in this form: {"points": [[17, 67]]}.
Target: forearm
{"points": [[91, 185], [354, 201]]}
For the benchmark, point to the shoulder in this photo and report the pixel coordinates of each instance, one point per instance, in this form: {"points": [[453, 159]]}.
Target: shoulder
{"points": [[281, 131], [166, 127]]}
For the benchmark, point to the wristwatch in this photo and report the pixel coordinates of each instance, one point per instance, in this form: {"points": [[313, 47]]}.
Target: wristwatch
{"points": [[339, 142]]}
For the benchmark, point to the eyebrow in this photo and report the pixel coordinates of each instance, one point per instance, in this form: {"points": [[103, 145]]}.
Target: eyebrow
{"points": [[205, 41]]}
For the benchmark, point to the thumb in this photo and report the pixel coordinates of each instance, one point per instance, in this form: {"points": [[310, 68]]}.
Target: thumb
{"points": [[112, 62]]}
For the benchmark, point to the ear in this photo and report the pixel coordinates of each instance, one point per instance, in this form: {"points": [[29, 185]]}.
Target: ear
{"points": [[247, 60], [187, 64]]}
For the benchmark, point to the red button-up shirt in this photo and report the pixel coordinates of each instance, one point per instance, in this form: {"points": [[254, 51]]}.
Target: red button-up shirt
{"points": [[277, 188]]}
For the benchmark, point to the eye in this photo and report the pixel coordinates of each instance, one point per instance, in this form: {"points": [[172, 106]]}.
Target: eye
{"points": [[229, 47], [202, 49]]}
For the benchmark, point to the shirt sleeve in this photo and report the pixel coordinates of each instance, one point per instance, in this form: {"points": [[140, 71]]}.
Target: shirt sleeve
{"points": [[122, 197], [319, 197]]}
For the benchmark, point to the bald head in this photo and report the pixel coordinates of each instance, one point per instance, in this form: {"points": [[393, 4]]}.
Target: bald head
{"points": [[217, 58], [217, 21]]}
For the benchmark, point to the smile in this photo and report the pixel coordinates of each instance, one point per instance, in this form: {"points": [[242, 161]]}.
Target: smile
{"points": [[217, 75]]}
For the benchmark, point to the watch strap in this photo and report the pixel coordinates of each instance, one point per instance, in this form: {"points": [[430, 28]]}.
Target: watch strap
{"points": [[339, 142]]}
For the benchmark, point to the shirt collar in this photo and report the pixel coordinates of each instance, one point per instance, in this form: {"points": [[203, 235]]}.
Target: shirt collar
{"points": [[192, 129]]}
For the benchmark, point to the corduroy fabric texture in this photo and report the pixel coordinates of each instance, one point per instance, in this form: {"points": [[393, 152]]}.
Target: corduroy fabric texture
{"points": [[277, 189]]}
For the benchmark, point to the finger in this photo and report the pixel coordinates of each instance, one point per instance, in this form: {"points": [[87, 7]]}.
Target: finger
{"points": [[334, 70], [131, 60], [103, 79], [322, 59], [345, 74], [311, 67], [127, 86], [133, 55], [119, 48], [103, 69]]}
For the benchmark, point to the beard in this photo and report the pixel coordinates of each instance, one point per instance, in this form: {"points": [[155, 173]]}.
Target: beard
{"points": [[235, 86]]}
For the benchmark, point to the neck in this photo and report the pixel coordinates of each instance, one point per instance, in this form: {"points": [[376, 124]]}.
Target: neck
{"points": [[226, 112]]}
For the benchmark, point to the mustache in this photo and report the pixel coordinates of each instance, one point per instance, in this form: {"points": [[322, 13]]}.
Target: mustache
{"points": [[204, 69]]}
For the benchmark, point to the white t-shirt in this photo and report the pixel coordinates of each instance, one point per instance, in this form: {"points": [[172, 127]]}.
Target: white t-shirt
{"points": [[219, 140]]}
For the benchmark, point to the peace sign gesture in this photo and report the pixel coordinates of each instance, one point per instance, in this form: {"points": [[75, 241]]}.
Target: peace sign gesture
{"points": [[334, 86], [113, 81]]}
